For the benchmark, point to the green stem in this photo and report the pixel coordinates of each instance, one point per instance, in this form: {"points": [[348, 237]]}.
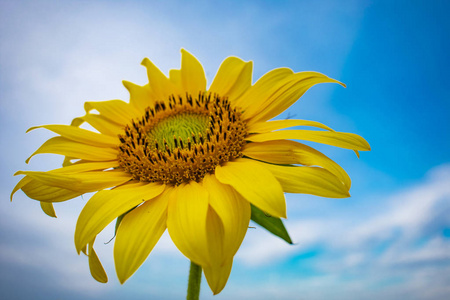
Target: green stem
{"points": [[195, 278]]}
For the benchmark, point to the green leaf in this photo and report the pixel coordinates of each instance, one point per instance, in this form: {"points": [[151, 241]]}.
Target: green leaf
{"points": [[272, 224]]}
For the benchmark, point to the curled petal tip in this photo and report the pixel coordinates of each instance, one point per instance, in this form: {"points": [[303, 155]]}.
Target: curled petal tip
{"points": [[31, 128]]}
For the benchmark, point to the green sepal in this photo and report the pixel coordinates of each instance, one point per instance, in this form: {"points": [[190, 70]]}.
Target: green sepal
{"points": [[118, 220], [272, 224]]}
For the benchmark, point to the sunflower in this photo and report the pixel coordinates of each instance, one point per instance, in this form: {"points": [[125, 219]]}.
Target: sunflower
{"points": [[198, 161]]}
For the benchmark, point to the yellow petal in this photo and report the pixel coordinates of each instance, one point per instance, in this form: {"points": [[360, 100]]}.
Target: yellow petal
{"points": [[280, 99], [138, 233], [193, 77], [95, 266], [338, 139], [263, 88], [48, 209], [255, 183], [83, 166], [115, 110], [308, 180], [37, 190], [175, 77], [233, 78], [217, 276], [68, 161], [215, 233], [107, 205], [161, 86], [79, 182], [99, 122], [186, 221], [47, 194], [63, 146], [276, 152], [263, 127], [218, 271], [81, 135], [290, 152], [141, 97], [227, 222], [19, 185], [234, 212]]}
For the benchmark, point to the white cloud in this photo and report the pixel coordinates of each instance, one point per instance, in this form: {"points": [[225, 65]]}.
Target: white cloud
{"points": [[435, 251], [260, 247], [399, 250], [409, 211], [403, 220]]}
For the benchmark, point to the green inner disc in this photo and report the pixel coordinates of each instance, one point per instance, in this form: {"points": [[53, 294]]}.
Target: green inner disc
{"points": [[181, 126]]}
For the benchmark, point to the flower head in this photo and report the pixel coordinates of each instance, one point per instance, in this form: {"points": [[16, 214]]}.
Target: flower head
{"points": [[192, 159]]}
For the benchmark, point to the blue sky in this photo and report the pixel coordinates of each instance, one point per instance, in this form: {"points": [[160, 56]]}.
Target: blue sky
{"points": [[390, 240]]}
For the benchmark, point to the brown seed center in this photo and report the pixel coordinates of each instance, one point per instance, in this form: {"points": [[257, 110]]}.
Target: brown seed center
{"points": [[182, 139]]}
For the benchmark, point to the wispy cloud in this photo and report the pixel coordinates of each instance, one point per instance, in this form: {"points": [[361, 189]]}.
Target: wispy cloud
{"points": [[399, 248]]}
